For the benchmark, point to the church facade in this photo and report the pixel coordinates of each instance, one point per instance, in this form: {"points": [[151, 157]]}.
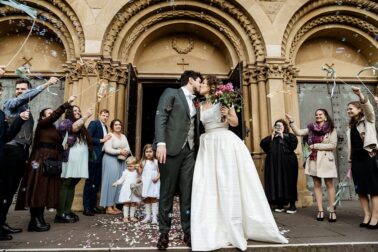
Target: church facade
{"points": [[274, 50]]}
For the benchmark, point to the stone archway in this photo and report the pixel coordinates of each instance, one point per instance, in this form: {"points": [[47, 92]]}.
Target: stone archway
{"points": [[341, 36], [226, 21]]}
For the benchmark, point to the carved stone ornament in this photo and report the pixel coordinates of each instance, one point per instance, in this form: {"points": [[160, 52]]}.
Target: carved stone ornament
{"points": [[133, 7], [103, 70], [178, 44]]}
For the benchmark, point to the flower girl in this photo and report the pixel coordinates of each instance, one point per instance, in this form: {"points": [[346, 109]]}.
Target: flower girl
{"points": [[126, 196], [151, 183]]}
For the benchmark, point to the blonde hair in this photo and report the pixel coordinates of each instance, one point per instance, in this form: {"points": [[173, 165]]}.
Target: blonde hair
{"points": [[131, 160]]}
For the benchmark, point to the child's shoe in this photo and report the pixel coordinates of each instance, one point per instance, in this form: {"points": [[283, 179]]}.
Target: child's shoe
{"points": [[126, 220], [154, 220], [133, 219], [147, 211]]}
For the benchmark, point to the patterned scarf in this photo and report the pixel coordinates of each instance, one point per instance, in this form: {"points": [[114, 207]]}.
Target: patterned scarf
{"points": [[316, 135]]}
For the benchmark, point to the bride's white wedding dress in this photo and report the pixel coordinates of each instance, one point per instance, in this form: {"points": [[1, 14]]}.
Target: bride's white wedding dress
{"points": [[229, 204]]}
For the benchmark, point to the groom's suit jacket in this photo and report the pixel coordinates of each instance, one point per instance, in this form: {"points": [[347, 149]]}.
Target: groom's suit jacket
{"points": [[172, 121]]}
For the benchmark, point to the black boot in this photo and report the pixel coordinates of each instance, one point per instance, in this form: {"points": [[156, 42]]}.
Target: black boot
{"points": [[36, 225], [4, 236], [42, 220]]}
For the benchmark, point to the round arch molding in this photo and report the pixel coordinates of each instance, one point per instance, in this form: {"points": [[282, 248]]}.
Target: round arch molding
{"points": [[229, 19], [360, 16], [56, 16]]}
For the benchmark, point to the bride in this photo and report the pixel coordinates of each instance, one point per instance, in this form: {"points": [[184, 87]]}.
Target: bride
{"points": [[228, 200]]}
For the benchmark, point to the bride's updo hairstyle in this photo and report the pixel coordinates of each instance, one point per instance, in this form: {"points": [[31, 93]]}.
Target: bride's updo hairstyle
{"points": [[212, 82]]}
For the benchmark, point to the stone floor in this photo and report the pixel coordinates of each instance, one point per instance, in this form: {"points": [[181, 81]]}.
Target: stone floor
{"points": [[105, 233]]}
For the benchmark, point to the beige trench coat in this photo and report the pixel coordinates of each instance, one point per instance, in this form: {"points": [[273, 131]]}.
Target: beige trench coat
{"points": [[324, 166], [366, 128]]}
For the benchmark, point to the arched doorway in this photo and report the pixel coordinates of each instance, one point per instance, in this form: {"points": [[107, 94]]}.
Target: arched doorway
{"points": [[160, 41], [158, 59]]}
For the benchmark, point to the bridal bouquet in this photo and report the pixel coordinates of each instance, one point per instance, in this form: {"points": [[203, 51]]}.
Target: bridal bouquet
{"points": [[227, 96]]}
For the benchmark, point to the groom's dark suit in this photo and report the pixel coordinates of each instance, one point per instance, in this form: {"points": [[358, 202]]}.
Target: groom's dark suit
{"points": [[172, 126]]}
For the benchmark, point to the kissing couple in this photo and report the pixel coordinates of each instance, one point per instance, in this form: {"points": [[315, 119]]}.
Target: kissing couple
{"points": [[222, 201]]}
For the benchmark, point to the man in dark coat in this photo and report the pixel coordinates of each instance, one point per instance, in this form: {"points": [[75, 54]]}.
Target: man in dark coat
{"points": [[6, 134], [175, 145], [16, 151], [99, 133]]}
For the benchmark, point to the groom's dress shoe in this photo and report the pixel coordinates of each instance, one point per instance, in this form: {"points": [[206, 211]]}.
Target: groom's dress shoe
{"points": [[9, 230], [4, 236], [163, 242], [188, 240]]}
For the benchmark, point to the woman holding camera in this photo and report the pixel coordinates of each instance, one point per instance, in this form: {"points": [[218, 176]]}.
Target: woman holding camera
{"points": [[113, 163], [322, 141], [281, 167]]}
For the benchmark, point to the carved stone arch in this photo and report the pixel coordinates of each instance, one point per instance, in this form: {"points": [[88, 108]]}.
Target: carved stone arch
{"points": [[210, 22], [134, 50], [60, 15], [66, 41], [366, 29], [205, 8], [316, 10], [367, 39]]}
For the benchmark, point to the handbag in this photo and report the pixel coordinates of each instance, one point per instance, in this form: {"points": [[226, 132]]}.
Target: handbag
{"points": [[121, 157], [136, 188], [52, 167]]}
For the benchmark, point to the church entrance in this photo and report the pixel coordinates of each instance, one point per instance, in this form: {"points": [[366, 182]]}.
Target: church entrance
{"points": [[151, 92]]}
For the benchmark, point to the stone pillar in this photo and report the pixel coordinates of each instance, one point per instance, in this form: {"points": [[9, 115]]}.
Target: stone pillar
{"points": [[84, 78], [282, 99]]}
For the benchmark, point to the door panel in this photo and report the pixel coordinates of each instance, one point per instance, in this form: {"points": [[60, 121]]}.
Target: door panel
{"points": [[236, 78], [131, 107], [317, 95]]}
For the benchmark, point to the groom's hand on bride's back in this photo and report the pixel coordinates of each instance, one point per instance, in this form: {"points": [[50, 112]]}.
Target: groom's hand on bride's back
{"points": [[161, 153]]}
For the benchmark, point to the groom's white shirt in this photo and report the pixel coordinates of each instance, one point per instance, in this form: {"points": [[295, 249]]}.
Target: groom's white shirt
{"points": [[189, 98]]}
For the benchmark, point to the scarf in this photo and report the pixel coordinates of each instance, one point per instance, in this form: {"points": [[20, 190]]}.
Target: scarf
{"points": [[316, 135]]}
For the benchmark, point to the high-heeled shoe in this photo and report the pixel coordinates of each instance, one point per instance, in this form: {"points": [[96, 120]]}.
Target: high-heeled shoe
{"points": [[320, 216], [368, 226], [332, 217]]}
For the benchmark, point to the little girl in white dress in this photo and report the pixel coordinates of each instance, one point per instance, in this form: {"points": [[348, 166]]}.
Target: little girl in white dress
{"points": [[151, 184], [126, 196]]}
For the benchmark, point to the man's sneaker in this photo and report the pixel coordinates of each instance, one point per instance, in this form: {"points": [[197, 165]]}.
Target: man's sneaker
{"points": [[279, 210], [291, 210]]}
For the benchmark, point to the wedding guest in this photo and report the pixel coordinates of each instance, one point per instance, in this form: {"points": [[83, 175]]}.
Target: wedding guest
{"points": [[281, 167], [99, 133], [7, 133], [322, 141], [362, 143], [126, 196], [39, 189], [16, 151], [151, 184], [116, 151], [77, 143]]}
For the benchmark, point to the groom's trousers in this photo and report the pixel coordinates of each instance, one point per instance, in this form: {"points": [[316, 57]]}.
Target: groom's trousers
{"points": [[177, 172]]}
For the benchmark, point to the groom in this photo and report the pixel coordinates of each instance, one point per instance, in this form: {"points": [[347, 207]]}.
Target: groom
{"points": [[175, 138]]}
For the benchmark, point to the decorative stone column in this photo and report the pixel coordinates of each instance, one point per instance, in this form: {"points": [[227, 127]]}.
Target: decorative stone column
{"points": [[282, 99], [84, 78]]}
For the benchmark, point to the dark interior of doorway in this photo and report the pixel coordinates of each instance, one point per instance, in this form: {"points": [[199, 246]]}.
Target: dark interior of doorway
{"points": [[152, 91]]}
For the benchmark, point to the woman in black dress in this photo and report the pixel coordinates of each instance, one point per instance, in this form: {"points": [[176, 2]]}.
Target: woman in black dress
{"points": [[362, 139], [281, 167]]}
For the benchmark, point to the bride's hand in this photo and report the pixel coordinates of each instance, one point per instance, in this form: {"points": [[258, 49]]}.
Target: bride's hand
{"points": [[225, 111]]}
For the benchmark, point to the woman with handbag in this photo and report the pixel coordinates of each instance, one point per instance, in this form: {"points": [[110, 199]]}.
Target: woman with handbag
{"points": [[76, 143], [362, 145], [322, 141], [40, 185], [116, 150]]}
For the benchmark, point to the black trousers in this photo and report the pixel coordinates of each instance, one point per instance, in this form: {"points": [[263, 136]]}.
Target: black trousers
{"points": [[11, 172], [176, 172], [92, 185]]}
